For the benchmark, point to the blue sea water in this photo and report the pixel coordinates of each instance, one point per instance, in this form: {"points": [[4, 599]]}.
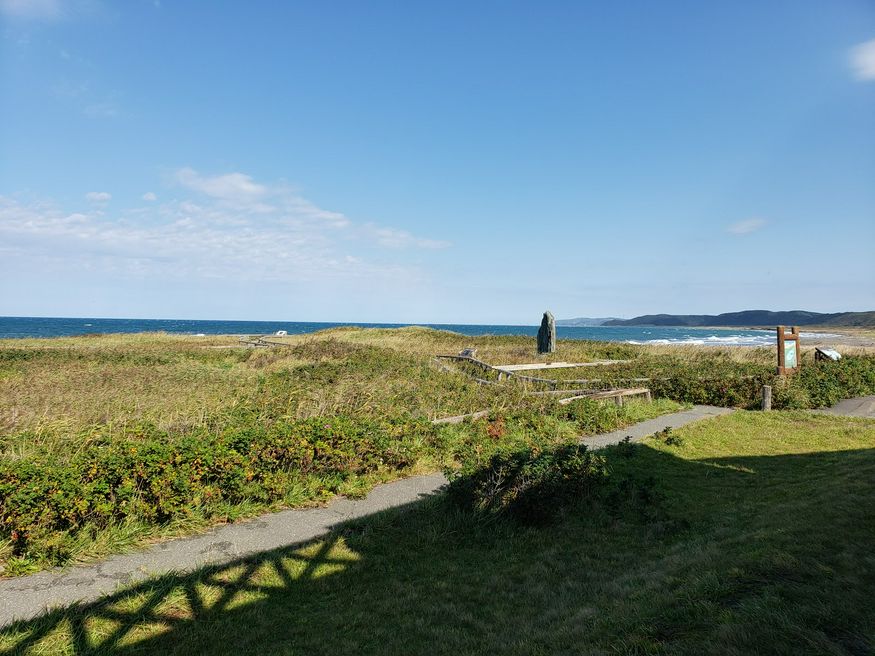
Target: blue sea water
{"points": [[13, 327]]}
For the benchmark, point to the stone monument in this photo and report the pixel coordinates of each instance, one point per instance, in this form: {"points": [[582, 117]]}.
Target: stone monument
{"points": [[547, 334]]}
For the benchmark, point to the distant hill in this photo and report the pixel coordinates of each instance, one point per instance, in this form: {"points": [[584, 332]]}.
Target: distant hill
{"points": [[852, 320], [754, 318], [583, 322]]}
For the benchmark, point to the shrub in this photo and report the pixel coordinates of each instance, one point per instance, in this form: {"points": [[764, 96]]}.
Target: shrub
{"points": [[787, 394], [667, 436], [816, 385], [528, 486], [156, 479], [828, 382]]}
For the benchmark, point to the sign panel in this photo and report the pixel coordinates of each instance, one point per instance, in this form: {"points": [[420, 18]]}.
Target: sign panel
{"points": [[790, 354], [789, 357]]}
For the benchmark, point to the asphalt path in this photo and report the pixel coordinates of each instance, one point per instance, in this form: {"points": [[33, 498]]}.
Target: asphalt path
{"points": [[863, 406]]}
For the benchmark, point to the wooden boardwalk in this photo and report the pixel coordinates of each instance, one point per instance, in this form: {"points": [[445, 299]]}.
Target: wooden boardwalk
{"points": [[509, 368], [507, 371]]}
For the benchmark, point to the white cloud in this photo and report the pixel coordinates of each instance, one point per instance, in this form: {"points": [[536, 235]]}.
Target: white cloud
{"points": [[172, 243], [391, 238], [229, 186], [234, 228], [746, 226], [863, 60], [31, 9], [241, 192], [150, 196]]}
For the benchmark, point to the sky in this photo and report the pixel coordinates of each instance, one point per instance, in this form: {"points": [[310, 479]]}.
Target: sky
{"points": [[435, 162]]}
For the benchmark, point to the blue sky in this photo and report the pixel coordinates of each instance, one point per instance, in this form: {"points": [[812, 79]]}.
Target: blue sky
{"points": [[435, 162]]}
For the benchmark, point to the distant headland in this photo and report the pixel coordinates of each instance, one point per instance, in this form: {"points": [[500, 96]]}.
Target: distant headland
{"points": [[745, 318]]}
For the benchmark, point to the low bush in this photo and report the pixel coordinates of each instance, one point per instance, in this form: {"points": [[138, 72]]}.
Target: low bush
{"points": [[668, 436], [815, 385], [723, 388], [826, 383], [250, 459], [528, 486], [157, 478]]}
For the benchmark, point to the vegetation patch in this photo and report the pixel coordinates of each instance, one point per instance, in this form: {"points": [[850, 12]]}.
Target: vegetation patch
{"points": [[149, 477], [716, 377], [105, 440], [752, 537], [529, 486]]}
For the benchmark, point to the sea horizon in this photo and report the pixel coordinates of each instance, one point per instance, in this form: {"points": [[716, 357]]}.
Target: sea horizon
{"points": [[49, 327]]}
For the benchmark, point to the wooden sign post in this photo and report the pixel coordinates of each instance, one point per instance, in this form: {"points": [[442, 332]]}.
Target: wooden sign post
{"points": [[789, 355]]}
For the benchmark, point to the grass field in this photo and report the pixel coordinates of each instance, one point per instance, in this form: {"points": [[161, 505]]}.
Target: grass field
{"points": [[750, 533], [56, 388], [107, 441], [60, 386]]}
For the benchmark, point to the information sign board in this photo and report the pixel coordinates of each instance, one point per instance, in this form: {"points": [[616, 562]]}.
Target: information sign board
{"points": [[789, 358]]}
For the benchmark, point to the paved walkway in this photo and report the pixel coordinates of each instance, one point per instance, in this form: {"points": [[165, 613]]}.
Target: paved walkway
{"points": [[27, 596], [863, 406], [651, 426]]}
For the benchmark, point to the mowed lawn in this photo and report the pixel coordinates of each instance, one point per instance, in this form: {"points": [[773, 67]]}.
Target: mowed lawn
{"points": [[749, 534]]}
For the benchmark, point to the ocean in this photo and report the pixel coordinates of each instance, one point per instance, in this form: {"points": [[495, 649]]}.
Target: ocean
{"points": [[16, 327]]}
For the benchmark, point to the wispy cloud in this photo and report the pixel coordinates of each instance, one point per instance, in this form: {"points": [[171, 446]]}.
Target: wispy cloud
{"points": [[31, 9], [746, 226], [391, 238], [101, 110], [98, 196], [177, 242], [82, 97], [241, 192], [863, 60], [231, 228], [50, 10], [227, 186]]}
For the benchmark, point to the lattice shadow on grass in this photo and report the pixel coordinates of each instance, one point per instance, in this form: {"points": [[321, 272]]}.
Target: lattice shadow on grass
{"points": [[764, 551], [161, 605]]}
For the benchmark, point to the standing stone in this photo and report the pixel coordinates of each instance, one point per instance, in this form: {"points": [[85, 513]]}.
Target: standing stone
{"points": [[547, 334]]}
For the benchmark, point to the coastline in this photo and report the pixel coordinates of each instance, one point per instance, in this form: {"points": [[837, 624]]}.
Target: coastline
{"points": [[14, 328]]}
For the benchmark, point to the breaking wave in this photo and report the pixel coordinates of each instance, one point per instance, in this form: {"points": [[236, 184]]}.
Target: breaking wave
{"points": [[767, 338]]}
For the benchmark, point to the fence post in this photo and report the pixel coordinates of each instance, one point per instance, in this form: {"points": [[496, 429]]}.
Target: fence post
{"points": [[767, 397]]}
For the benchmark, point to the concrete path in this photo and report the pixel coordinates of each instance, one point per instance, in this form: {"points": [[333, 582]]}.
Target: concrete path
{"points": [[651, 426], [863, 406], [28, 596]]}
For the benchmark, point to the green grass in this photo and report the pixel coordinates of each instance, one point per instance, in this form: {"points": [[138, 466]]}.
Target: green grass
{"points": [[56, 510], [750, 533], [106, 441], [54, 390]]}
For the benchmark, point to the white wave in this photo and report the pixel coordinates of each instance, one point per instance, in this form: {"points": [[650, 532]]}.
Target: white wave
{"points": [[765, 338], [711, 340], [820, 336]]}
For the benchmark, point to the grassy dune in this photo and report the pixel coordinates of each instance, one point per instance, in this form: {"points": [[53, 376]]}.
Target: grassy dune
{"points": [[750, 533], [106, 441], [57, 387], [109, 440]]}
